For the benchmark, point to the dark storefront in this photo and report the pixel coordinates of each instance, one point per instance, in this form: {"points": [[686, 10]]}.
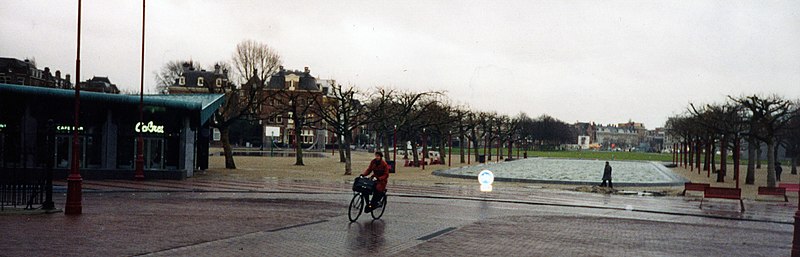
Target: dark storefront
{"points": [[175, 131]]}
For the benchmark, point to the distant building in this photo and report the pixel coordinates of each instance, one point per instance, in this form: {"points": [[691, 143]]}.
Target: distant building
{"points": [[99, 84], [19, 72], [586, 129], [193, 81], [612, 137]]}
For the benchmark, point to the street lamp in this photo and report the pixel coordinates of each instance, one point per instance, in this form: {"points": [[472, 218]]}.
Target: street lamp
{"points": [[74, 180], [139, 175]]}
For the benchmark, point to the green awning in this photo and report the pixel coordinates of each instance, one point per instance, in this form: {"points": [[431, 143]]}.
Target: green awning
{"points": [[204, 104]]}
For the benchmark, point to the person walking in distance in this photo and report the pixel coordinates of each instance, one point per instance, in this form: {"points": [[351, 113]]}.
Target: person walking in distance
{"points": [[607, 176]]}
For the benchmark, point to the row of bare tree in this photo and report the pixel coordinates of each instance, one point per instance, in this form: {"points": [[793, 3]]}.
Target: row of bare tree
{"points": [[419, 118], [755, 120]]}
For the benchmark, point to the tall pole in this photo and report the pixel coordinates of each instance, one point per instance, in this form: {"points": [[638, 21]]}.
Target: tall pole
{"points": [[394, 146], [450, 150], [796, 239], [139, 175], [74, 180]]}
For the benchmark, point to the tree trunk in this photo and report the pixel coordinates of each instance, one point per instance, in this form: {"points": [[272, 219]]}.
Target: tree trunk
{"points": [[707, 162], [750, 178], [461, 148], [414, 153], [226, 146], [758, 155], [348, 163], [510, 149], [794, 165], [771, 163], [298, 144], [389, 145], [699, 152], [442, 156], [723, 159], [714, 158], [340, 143]]}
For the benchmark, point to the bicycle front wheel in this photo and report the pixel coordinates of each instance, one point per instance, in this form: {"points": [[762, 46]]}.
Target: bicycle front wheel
{"points": [[356, 207], [377, 213]]}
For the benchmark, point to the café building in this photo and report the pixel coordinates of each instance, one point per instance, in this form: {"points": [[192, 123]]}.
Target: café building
{"points": [[175, 129]]}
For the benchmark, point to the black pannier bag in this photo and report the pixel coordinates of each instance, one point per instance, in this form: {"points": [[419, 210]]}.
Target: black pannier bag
{"points": [[364, 185]]}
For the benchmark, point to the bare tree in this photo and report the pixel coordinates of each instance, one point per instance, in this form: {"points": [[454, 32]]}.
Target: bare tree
{"points": [[771, 113], [245, 102], [254, 59], [170, 72], [344, 112], [298, 105]]}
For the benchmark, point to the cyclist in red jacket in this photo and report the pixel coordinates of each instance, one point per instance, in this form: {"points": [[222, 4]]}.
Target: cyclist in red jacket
{"points": [[380, 170]]}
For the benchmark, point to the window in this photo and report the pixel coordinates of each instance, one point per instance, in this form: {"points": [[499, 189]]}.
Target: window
{"points": [[219, 82], [280, 119], [200, 81], [182, 81]]}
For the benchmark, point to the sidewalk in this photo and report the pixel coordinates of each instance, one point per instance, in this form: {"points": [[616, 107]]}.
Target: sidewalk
{"points": [[767, 211]]}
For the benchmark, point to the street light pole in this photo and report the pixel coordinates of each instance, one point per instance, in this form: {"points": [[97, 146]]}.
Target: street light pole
{"points": [[796, 239], [139, 175], [74, 180]]}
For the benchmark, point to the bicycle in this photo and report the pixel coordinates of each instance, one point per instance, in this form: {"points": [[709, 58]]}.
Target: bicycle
{"points": [[358, 204]]}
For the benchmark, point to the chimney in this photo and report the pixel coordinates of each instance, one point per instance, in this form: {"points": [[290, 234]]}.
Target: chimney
{"points": [[307, 70], [280, 68], [216, 68], [66, 77], [58, 74]]}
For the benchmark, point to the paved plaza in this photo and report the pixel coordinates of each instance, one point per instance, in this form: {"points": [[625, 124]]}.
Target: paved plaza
{"points": [[308, 218]]}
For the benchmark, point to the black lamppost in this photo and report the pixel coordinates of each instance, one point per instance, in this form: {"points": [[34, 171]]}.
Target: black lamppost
{"points": [[139, 175], [74, 180], [48, 203]]}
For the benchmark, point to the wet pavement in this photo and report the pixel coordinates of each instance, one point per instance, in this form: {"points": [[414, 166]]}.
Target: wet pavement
{"points": [[298, 218]]}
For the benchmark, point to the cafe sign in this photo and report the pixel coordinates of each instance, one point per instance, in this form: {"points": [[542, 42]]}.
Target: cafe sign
{"points": [[149, 127], [67, 128]]}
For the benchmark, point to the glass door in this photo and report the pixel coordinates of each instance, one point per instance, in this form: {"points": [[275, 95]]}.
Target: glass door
{"points": [[153, 153], [63, 151]]}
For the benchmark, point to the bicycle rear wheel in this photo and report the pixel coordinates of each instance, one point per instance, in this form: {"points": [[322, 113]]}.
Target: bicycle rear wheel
{"points": [[356, 207], [377, 213]]}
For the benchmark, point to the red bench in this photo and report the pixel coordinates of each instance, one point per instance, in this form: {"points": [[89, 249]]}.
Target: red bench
{"points": [[723, 193], [790, 187], [689, 186], [777, 191]]}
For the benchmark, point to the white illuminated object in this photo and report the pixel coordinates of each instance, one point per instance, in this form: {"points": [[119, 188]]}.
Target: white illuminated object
{"points": [[148, 128], [486, 178]]}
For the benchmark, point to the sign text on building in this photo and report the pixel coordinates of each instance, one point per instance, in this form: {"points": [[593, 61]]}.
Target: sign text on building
{"points": [[67, 128], [148, 128]]}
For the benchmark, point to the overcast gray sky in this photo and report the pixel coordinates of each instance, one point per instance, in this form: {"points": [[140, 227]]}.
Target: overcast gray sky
{"points": [[602, 61]]}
